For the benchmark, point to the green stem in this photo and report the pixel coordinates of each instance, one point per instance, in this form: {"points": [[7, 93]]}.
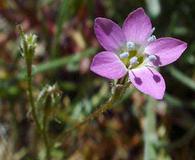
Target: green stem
{"points": [[31, 99], [150, 137], [14, 124], [45, 137], [33, 108], [42, 131]]}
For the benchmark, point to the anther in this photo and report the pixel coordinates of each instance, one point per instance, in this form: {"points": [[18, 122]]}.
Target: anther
{"points": [[133, 60], [152, 38], [152, 58], [153, 29], [124, 55], [130, 45]]}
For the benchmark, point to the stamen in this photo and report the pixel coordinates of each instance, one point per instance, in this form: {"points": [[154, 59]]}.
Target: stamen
{"points": [[151, 38], [152, 57], [133, 60], [130, 46], [153, 29], [124, 55]]}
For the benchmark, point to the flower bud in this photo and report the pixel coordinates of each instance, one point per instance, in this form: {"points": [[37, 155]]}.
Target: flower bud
{"points": [[49, 96], [28, 44]]}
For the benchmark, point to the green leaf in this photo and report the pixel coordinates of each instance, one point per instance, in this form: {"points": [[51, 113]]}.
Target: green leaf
{"points": [[60, 62], [62, 17], [187, 81]]}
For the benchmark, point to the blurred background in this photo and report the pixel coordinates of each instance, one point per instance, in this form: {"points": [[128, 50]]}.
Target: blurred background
{"points": [[66, 45]]}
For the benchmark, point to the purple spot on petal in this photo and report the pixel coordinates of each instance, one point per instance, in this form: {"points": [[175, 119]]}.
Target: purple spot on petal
{"points": [[156, 78], [138, 80]]}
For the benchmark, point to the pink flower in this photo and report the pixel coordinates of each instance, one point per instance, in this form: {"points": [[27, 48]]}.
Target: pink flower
{"points": [[133, 49]]}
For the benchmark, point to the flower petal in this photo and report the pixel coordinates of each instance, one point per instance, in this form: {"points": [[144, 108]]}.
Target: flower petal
{"points": [[137, 27], [108, 65], [148, 81], [109, 34], [166, 49]]}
